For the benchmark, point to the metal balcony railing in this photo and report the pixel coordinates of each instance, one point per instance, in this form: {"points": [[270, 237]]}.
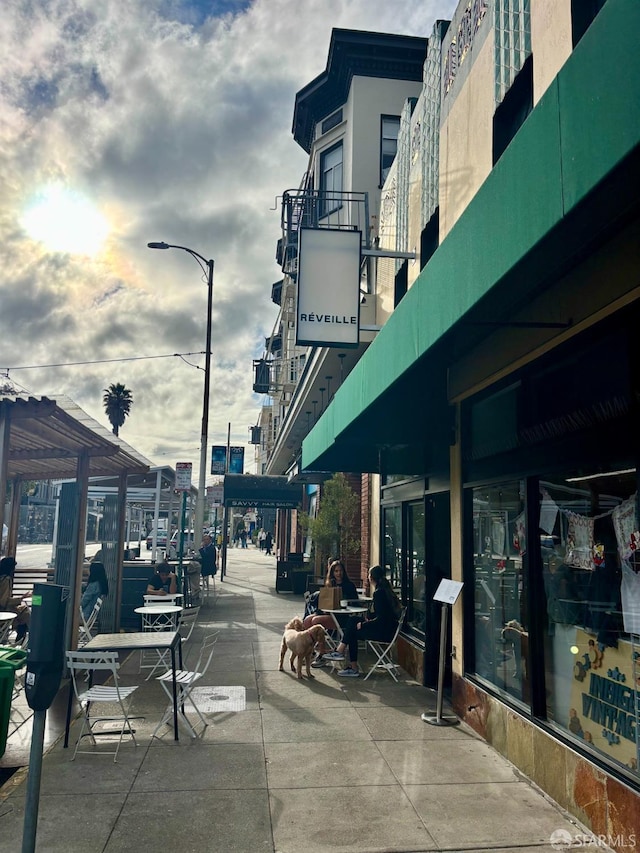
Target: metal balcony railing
{"points": [[309, 208]]}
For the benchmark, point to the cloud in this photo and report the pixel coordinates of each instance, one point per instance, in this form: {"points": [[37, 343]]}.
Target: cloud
{"points": [[174, 119]]}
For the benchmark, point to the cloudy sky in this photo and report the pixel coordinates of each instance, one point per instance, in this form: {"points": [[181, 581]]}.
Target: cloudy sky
{"points": [[128, 121]]}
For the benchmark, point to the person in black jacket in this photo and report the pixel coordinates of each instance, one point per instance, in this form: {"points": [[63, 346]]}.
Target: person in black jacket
{"points": [[380, 623], [208, 557]]}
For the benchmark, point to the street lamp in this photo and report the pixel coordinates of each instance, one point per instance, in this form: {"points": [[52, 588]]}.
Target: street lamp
{"points": [[207, 268]]}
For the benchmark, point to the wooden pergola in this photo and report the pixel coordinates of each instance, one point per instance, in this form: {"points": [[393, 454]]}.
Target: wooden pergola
{"points": [[47, 439]]}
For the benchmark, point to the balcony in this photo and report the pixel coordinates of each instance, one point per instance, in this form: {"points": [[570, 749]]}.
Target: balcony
{"points": [[308, 208]]}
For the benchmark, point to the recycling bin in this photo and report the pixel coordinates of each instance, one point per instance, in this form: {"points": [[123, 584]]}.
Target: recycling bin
{"points": [[11, 659]]}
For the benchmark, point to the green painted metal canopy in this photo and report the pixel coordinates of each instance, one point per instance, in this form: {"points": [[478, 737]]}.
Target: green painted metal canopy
{"points": [[247, 490]]}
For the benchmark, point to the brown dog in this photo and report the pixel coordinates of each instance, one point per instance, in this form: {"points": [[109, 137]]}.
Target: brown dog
{"points": [[301, 644]]}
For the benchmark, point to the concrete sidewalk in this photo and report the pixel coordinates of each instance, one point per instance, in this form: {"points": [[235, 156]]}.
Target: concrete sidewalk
{"points": [[316, 766]]}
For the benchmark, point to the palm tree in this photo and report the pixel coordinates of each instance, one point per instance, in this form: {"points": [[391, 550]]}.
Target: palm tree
{"points": [[117, 404]]}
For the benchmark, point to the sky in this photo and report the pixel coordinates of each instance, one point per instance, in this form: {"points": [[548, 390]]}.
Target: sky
{"points": [[129, 121]]}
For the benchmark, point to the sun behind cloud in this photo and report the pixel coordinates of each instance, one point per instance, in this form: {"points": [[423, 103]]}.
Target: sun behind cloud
{"points": [[65, 221]]}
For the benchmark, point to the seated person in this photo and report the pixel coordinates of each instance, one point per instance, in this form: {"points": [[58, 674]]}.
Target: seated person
{"points": [[8, 602], [97, 587], [208, 557], [163, 581], [380, 624], [336, 577]]}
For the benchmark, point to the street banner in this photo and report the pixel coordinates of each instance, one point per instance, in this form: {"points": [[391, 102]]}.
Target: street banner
{"points": [[236, 460], [219, 459]]}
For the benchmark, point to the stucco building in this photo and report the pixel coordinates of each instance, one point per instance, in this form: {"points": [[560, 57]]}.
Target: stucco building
{"points": [[495, 412]]}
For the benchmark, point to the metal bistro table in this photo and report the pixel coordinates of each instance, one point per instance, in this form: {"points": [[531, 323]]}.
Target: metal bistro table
{"points": [[157, 617], [344, 611], [6, 621], [136, 641]]}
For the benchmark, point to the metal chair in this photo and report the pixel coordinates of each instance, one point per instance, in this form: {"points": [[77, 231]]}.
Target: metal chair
{"points": [[187, 621], [383, 651], [80, 663], [6, 627], [186, 681], [169, 598], [209, 587], [86, 625]]}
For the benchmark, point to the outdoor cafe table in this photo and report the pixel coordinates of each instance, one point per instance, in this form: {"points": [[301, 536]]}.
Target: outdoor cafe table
{"points": [[136, 641], [159, 617], [344, 611], [6, 620]]}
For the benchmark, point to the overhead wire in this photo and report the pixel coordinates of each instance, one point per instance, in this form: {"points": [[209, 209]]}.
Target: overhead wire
{"points": [[181, 355]]}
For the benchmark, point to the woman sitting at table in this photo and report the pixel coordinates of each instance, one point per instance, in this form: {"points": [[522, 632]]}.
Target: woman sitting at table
{"points": [[7, 602], [336, 577], [380, 624], [97, 587], [163, 581]]}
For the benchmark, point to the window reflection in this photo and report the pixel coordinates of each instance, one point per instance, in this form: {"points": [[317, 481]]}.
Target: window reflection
{"points": [[501, 623], [417, 581], [393, 545], [589, 544]]}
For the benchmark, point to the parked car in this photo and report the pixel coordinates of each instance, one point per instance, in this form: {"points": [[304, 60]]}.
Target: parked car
{"points": [[189, 543], [161, 539]]}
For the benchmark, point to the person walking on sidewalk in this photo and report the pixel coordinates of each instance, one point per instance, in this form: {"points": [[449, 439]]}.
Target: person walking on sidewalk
{"points": [[380, 624], [268, 542]]}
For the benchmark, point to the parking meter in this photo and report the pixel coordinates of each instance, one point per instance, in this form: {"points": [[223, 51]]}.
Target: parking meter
{"points": [[45, 655]]}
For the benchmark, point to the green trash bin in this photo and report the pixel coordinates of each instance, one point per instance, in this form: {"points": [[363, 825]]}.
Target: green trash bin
{"points": [[11, 659]]}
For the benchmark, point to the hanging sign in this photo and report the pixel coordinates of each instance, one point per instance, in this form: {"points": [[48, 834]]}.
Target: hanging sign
{"points": [[328, 305], [215, 495], [183, 476]]}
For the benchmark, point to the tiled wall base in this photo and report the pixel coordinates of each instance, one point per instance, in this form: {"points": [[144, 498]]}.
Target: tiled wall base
{"points": [[600, 802]]}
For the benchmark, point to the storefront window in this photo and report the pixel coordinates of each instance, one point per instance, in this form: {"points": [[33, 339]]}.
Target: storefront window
{"points": [[416, 616], [591, 568], [392, 547], [499, 550]]}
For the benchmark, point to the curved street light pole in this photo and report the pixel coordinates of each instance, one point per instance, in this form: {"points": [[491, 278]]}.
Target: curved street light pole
{"points": [[204, 432]]}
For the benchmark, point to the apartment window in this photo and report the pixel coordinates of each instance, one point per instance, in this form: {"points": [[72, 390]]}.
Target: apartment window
{"points": [[429, 239], [515, 107], [330, 179], [583, 13], [400, 284], [331, 122], [389, 129]]}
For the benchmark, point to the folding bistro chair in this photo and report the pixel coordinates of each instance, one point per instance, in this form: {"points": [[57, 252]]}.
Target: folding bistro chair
{"points": [[384, 651], [105, 662], [186, 681], [86, 625], [5, 630], [187, 622]]}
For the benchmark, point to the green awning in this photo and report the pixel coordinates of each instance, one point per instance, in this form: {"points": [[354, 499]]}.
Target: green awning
{"points": [[570, 172], [246, 490]]}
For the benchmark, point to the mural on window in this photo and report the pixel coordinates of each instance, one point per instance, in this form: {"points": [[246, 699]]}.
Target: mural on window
{"points": [[591, 567], [501, 623]]}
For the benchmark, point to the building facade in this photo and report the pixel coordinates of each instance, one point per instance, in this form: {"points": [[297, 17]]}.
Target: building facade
{"points": [[348, 121], [497, 406]]}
